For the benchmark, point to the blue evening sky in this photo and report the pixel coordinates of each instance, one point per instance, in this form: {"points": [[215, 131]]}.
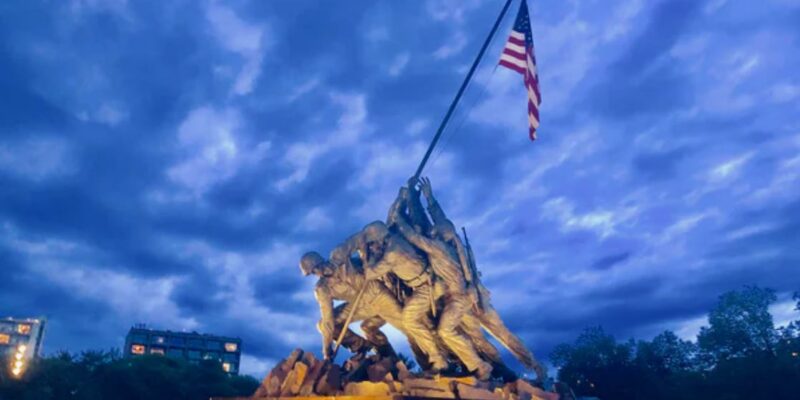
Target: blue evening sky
{"points": [[168, 162]]}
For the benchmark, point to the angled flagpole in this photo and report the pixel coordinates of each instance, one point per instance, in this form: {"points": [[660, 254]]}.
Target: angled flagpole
{"points": [[453, 105]]}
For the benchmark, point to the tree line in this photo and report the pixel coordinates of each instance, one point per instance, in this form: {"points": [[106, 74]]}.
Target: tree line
{"points": [[739, 355], [96, 375]]}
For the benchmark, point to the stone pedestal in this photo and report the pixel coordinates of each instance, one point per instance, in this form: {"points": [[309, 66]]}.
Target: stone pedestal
{"points": [[302, 377]]}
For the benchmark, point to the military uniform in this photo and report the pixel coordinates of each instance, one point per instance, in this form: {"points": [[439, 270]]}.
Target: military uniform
{"points": [[456, 302], [484, 312], [377, 307]]}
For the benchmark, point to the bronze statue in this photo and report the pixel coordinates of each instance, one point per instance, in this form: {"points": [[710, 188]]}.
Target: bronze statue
{"points": [[416, 274], [342, 282], [445, 230], [384, 253]]}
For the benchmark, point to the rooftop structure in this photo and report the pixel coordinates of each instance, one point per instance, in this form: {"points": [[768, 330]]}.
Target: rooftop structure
{"points": [[191, 346]]}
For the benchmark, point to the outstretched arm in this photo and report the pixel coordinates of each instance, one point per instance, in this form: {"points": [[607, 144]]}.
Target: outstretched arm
{"points": [[341, 254], [398, 207], [416, 213], [427, 245], [437, 214], [377, 271]]}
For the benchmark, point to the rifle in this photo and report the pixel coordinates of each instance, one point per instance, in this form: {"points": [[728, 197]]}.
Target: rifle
{"points": [[473, 268]]}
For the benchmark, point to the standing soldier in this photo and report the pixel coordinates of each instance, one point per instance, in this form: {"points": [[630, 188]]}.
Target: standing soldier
{"points": [[444, 229], [456, 301]]}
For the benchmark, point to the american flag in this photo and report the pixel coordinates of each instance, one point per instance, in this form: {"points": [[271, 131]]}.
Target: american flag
{"points": [[518, 56]]}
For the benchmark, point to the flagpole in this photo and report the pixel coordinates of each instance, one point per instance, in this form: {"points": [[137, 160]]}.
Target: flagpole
{"points": [[461, 90]]}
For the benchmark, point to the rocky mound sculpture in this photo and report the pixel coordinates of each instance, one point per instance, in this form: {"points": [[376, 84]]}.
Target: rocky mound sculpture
{"points": [[303, 375]]}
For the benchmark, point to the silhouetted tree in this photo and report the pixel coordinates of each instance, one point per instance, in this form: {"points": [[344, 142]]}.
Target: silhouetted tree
{"points": [[666, 354], [596, 365], [746, 357], [99, 375], [739, 324]]}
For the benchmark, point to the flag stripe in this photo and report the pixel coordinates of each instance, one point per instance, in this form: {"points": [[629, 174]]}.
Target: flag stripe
{"points": [[518, 55], [516, 48], [512, 66], [521, 64]]}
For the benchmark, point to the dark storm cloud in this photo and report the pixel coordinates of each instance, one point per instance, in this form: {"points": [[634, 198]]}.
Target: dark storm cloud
{"points": [[610, 260], [656, 166], [643, 81], [276, 290]]}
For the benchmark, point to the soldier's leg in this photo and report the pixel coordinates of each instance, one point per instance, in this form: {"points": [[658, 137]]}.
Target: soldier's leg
{"points": [[471, 327], [492, 322], [386, 308], [415, 314], [351, 340], [372, 330], [453, 312]]}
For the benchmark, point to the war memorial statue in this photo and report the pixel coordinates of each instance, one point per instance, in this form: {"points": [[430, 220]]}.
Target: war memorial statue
{"points": [[416, 273]]}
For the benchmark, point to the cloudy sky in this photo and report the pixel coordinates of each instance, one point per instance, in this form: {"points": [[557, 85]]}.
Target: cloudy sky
{"points": [[168, 162]]}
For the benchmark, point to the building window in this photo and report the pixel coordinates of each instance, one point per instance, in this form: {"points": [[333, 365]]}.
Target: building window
{"points": [[23, 329], [4, 339], [176, 341], [158, 339], [177, 353], [211, 355], [231, 347], [137, 349], [213, 345], [194, 355], [138, 338], [198, 344], [226, 367], [157, 350]]}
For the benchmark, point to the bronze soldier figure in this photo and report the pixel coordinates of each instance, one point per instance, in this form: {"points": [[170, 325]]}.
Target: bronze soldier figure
{"points": [[342, 282], [456, 301]]}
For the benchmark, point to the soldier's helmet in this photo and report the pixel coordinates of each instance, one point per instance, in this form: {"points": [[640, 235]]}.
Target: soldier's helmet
{"points": [[309, 261], [375, 231]]}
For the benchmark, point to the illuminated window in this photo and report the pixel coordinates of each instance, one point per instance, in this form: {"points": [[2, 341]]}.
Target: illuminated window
{"points": [[4, 339], [157, 350], [226, 367], [23, 329], [159, 339], [231, 347], [137, 349]]}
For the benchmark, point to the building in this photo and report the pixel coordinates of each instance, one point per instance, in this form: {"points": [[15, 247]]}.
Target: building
{"points": [[20, 342], [190, 346]]}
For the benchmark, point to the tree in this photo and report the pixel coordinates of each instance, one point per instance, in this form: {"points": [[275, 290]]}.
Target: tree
{"points": [[96, 375], [740, 324], [666, 354], [596, 365]]}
